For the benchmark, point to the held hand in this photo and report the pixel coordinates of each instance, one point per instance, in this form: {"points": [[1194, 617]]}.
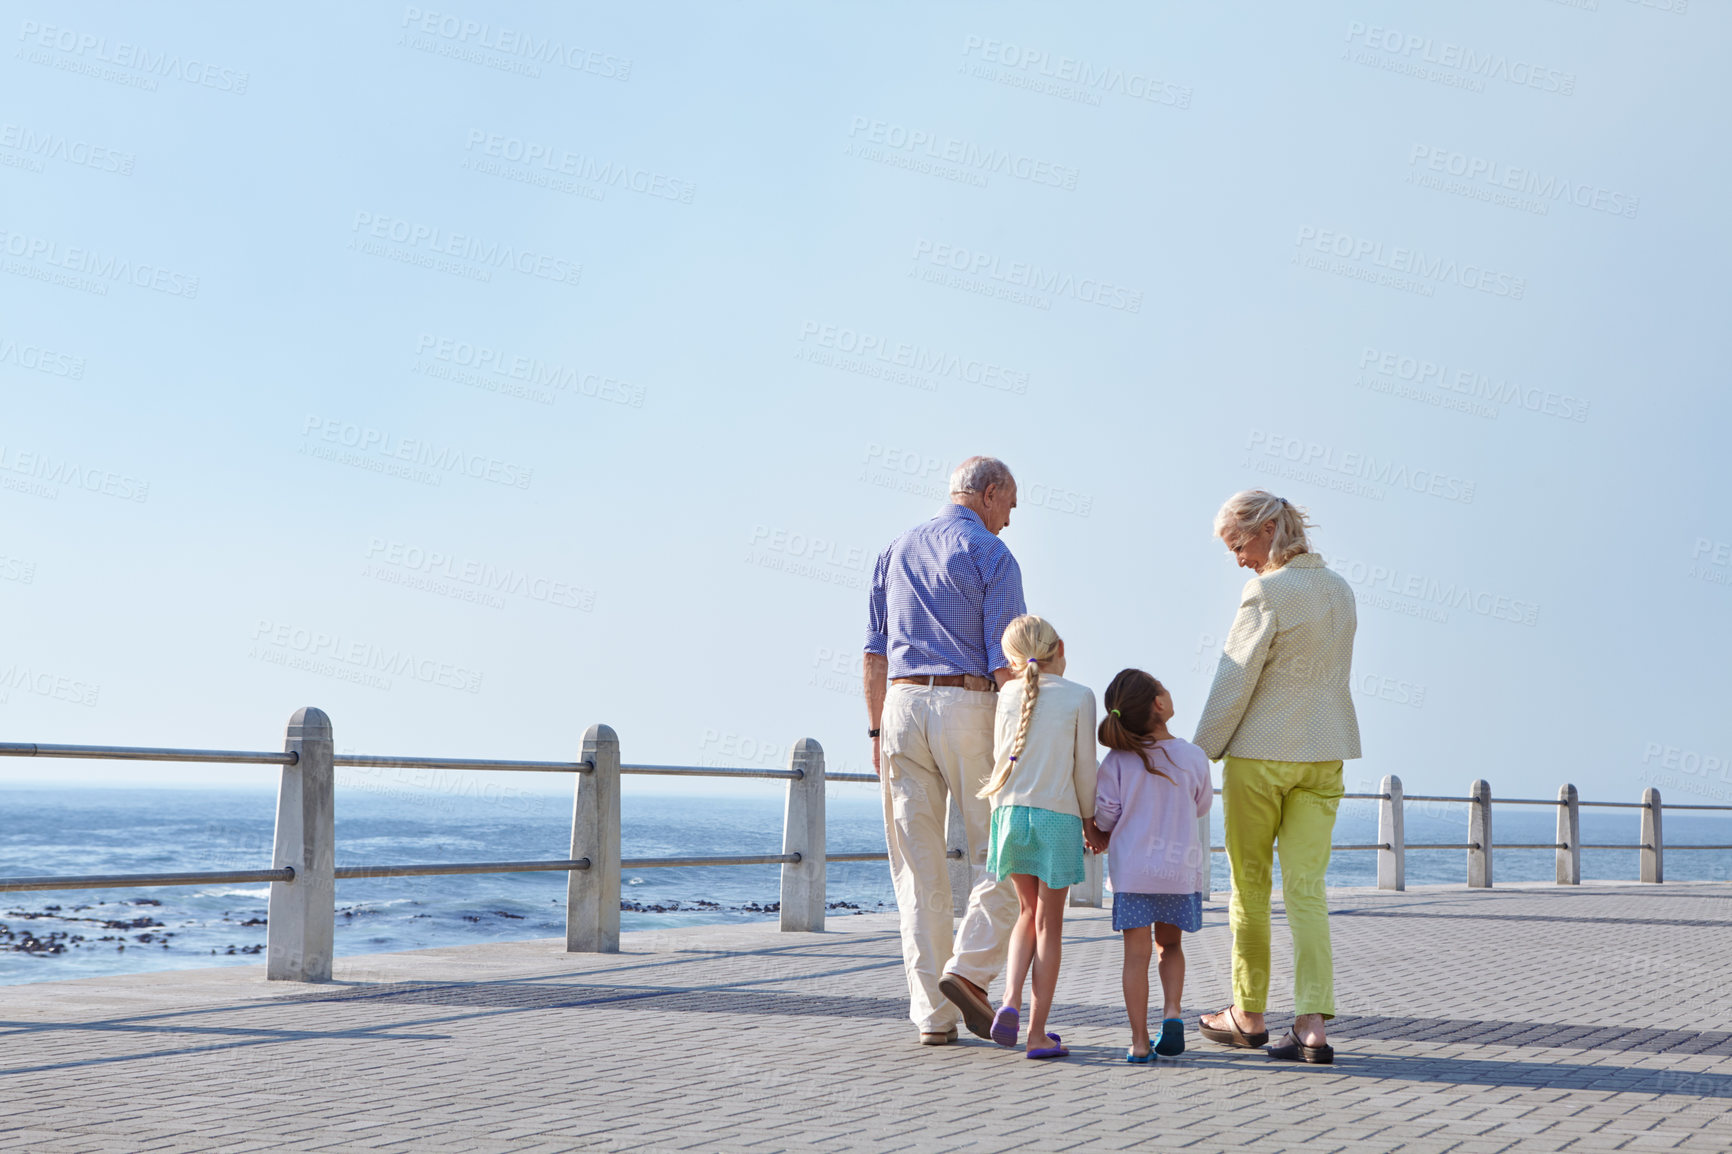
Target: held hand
{"points": [[1094, 837]]}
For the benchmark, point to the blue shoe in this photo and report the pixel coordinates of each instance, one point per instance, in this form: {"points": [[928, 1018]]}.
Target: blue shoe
{"points": [[1172, 1042], [1139, 1060]]}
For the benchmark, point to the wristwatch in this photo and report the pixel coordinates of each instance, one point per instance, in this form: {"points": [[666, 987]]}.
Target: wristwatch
{"points": [[871, 733]]}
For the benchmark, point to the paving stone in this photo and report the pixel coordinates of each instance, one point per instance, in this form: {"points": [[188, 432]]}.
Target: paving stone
{"points": [[1469, 1022]]}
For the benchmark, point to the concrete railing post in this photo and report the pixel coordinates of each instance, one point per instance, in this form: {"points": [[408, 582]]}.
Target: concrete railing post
{"points": [[1653, 845], [302, 913], [961, 868], [1569, 836], [1092, 891], [1479, 833], [803, 882], [592, 895], [1206, 838], [1391, 833]]}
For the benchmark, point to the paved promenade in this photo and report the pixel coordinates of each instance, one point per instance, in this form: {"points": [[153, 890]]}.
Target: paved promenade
{"points": [[1537, 1018]]}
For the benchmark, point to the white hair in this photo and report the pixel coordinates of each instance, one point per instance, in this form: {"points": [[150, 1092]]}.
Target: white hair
{"points": [[977, 474], [1245, 514]]}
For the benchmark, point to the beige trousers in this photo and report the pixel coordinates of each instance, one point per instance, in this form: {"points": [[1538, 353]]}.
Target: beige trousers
{"points": [[936, 742]]}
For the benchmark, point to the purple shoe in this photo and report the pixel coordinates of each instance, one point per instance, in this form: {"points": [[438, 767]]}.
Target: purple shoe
{"points": [[1005, 1025], [1058, 1051]]}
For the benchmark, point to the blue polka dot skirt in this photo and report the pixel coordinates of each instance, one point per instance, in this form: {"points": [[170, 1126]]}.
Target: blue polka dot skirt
{"points": [[1134, 911]]}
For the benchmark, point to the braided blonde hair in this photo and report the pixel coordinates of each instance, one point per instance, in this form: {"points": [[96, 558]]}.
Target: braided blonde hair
{"points": [[1028, 641]]}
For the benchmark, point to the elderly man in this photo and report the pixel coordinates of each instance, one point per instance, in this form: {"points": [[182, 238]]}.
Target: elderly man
{"points": [[942, 594]]}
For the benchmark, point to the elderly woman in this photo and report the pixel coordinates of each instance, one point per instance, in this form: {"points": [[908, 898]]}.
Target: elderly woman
{"points": [[1280, 713]]}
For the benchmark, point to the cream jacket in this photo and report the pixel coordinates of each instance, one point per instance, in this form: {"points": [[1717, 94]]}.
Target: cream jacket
{"points": [[1057, 767], [1282, 689]]}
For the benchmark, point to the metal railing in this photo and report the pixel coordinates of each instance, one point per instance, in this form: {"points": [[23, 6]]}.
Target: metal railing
{"points": [[302, 908], [1392, 844], [303, 874]]}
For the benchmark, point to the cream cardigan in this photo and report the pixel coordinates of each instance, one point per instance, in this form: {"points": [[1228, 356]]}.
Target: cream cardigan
{"points": [[1281, 690], [1057, 767]]}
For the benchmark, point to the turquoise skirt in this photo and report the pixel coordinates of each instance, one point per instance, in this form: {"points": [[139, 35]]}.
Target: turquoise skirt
{"points": [[1040, 842]]}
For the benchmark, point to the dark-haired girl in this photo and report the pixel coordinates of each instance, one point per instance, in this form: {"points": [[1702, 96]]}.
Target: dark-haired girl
{"points": [[1149, 795]]}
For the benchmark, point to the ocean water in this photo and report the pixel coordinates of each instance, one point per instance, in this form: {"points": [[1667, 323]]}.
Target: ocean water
{"points": [[66, 934]]}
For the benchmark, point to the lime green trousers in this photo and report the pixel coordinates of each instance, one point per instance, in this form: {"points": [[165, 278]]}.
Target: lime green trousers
{"points": [[1290, 805]]}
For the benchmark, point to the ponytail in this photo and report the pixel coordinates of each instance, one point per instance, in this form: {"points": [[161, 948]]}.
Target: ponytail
{"points": [[1245, 514], [1129, 725], [1027, 642]]}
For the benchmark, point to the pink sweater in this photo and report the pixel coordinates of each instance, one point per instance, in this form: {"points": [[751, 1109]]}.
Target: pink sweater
{"points": [[1156, 846]]}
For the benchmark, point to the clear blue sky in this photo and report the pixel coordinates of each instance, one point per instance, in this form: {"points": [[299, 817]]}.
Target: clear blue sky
{"points": [[549, 365]]}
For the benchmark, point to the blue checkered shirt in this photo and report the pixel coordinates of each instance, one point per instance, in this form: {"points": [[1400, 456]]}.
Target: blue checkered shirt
{"points": [[942, 594]]}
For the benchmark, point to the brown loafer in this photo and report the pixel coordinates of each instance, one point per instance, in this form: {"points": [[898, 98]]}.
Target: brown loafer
{"points": [[1234, 1036], [943, 1039], [976, 1012], [1291, 1049]]}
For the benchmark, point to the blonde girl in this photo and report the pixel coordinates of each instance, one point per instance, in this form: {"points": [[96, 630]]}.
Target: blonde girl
{"points": [[1042, 791]]}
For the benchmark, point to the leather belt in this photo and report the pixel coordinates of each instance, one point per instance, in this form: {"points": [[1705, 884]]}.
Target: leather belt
{"points": [[948, 681]]}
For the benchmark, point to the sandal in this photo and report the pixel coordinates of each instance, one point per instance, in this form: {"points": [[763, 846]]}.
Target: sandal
{"points": [[1292, 1049], [1172, 1041], [1137, 1059], [1234, 1037], [1005, 1025], [1057, 1051]]}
